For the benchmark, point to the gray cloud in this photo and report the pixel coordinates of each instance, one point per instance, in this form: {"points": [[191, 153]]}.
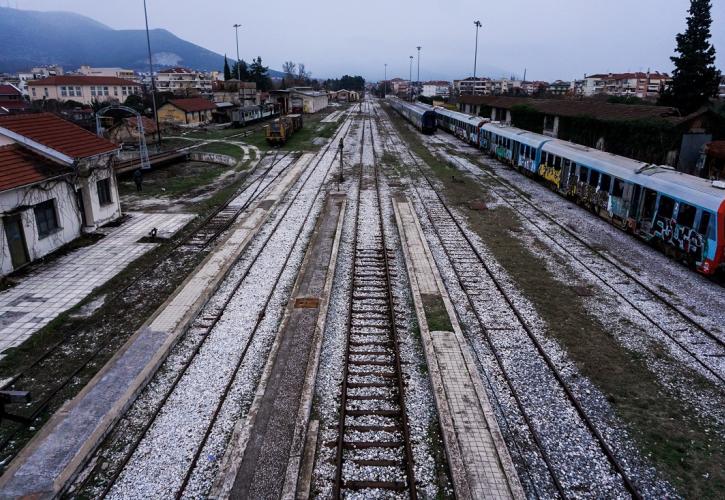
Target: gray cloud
{"points": [[557, 39]]}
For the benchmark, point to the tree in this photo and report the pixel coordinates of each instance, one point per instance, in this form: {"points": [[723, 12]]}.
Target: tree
{"points": [[258, 74], [227, 69], [289, 69], [695, 78], [243, 71]]}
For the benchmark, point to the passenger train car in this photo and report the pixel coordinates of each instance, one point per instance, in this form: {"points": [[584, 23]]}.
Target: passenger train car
{"points": [[420, 115], [682, 214], [461, 125], [246, 115]]}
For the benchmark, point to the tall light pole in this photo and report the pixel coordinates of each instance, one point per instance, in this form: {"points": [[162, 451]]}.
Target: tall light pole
{"points": [[410, 79], [475, 57], [418, 78], [239, 71], [151, 68], [385, 82]]}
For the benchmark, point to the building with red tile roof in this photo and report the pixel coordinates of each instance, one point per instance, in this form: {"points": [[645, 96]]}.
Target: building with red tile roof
{"points": [[83, 89], [56, 180], [20, 167], [11, 100], [190, 111], [51, 135]]}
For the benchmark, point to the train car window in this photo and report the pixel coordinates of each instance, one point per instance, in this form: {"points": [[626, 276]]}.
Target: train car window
{"points": [[650, 202], [594, 178], [618, 189], [606, 183], [557, 162], [706, 227], [583, 174], [686, 215], [667, 207]]}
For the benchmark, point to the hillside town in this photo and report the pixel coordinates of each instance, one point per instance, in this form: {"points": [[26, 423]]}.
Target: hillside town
{"points": [[411, 279]]}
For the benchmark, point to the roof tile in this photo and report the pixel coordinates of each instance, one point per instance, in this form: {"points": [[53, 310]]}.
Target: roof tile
{"points": [[20, 167]]}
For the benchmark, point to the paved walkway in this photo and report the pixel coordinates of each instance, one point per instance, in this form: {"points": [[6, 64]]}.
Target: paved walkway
{"points": [[479, 460], [55, 454], [56, 287]]}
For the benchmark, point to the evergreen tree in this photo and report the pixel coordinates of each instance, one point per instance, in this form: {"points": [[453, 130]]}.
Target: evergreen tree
{"points": [[227, 69], [695, 79], [258, 73], [243, 71]]}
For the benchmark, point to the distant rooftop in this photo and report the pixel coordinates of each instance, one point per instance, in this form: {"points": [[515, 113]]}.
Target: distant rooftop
{"points": [[82, 80]]}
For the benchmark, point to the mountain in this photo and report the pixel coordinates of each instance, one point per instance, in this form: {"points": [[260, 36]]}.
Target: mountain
{"points": [[31, 38]]}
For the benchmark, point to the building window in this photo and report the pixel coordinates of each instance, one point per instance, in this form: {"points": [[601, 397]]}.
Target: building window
{"points": [[46, 218], [105, 90], [45, 91], [33, 89], [64, 92], [104, 191], [115, 91]]}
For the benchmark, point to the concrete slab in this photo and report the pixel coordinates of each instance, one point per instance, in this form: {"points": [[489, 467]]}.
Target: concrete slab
{"points": [[54, 456], [33, 303], [479, 460], [265, 451]]}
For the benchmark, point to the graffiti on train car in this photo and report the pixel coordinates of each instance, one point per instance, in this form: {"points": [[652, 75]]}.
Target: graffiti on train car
{"points": [[551, 174], [686, 240]]}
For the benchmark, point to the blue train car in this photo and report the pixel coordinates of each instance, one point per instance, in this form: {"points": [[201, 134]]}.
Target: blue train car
{"points": [[420, 115]]}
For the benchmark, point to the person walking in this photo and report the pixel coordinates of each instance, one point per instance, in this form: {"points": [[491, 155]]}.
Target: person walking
{"points": [[138, 179]]}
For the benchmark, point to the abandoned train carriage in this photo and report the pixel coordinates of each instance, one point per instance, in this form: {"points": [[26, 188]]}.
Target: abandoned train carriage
{"points": [[683, 214], [420, 115], [281, 129], [461, 125]]}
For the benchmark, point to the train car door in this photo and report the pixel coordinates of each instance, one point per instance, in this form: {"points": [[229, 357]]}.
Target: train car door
{"points": [[16, 240]]}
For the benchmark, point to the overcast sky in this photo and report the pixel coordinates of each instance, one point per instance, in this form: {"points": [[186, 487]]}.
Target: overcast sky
{"points": [[551, 39]]}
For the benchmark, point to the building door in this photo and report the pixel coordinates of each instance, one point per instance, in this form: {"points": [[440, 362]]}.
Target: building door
{"points": [[81, 206], [16, 240]]}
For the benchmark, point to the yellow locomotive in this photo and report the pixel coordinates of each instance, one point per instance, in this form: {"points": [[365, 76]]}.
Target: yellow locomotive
{"points": [[279, 130]]}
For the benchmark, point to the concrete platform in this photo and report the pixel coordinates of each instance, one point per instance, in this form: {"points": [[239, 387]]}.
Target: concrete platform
{"points": [[479, 460], [55, 287], [55, 455], [265, 451]]}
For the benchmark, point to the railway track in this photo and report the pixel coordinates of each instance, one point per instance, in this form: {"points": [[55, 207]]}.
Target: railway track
{"points": [[374, 455], [101, 479], [680, 327], [256, 181], [503, 326]]}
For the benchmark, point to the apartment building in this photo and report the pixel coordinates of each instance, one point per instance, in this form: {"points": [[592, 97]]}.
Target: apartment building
{"points": [[638, 84], [439, 89], [127, 74], [83, 89], [186, 82]]}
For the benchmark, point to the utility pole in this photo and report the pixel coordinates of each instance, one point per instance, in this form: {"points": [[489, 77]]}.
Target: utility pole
{"points": [[475, 57], [153, 81], [410, 79], [342, 178], [385, 82], [418, 78], [239, 71]]}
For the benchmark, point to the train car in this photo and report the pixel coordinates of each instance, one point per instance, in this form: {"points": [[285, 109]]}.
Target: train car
{"points": [[682, 214], [420, 115], [461, 125], [516, 147], [247, 115], [281, 129]]}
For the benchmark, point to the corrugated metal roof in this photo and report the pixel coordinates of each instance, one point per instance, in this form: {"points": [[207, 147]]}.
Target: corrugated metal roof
{"points": [[58, 134], [20, 167]]}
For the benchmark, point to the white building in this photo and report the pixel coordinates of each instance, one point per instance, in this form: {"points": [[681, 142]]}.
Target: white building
{"points": [[722, 88], [36, 74], [56, 180], [127, 74], [436, 89], [307, 100], [185, 82], [637, 84], [83, 89], [487, 86]]}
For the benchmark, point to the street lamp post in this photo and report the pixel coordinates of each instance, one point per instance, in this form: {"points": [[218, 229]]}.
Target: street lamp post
{"points": [[418, 78], [385, 82], [153, 81], [239, 71], [410, 79], [475, 57]]}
